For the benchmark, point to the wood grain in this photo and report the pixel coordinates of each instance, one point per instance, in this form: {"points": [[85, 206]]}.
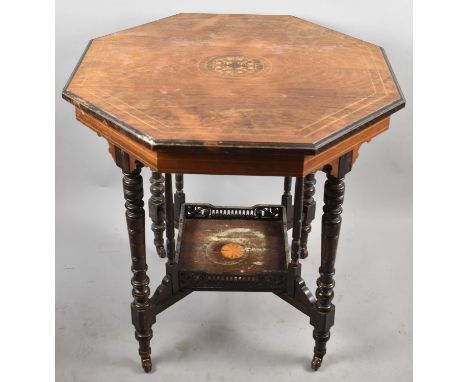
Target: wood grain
{"points": [[234, 82], [260, 245], [231, 164], [331, 156]]}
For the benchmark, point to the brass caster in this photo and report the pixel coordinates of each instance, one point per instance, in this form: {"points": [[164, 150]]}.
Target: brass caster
{"points": [[316, 363], [146, 364]]}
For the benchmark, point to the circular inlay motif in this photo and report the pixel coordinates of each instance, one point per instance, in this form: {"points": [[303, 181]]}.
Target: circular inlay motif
{"points": [[234, 66], [232, 251]]}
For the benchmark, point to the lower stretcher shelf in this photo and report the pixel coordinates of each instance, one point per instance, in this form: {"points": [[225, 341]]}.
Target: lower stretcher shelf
{"points": [[232, 248]]}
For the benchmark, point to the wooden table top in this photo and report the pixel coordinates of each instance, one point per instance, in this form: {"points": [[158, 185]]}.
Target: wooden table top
{"points": [[206, 84], [208, 81]]}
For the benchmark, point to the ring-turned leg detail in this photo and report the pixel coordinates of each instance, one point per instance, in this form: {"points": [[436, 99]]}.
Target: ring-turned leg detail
{"points": [[157, 211], [144, 339], [179, 197], [135, 214], [170, 241], [286, 200], [331, 223], [308, 212], [297, 220], [320, 348]]}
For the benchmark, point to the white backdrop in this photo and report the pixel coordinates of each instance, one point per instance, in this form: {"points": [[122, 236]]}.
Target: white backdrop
{"points": [[234, 336]]}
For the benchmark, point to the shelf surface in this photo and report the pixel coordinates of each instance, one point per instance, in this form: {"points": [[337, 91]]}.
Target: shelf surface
{"points": [[233, 245]]}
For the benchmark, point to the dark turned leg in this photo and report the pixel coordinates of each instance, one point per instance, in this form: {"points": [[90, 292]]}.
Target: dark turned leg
{"points": [[170, 242], [168, 291], [331, 222], [135, 214], [286, 200], [308, 212], [157, 211], [179, 197], [297, 221], [294, 268]]}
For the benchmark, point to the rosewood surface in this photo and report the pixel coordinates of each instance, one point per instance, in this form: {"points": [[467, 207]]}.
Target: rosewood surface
{"points": [[204, 82], [259, 245]]}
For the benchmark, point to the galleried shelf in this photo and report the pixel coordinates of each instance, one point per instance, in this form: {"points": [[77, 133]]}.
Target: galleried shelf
{"points": [[232, 248], [233, 95]]}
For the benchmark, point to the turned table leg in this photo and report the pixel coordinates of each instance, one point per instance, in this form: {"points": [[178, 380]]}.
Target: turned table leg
{"points": [[308, 212], [179, 197], [170, 235], [297, 220], [331, 222], [157, 211], [135, 214], [286, 200]]}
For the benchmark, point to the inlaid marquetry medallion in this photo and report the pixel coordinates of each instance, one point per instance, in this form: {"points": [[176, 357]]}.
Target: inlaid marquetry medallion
{"points": [[233, 66], [232, 251]]}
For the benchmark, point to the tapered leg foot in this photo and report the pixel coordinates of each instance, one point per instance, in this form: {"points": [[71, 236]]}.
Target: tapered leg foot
{"points": [[316, 363], [321, 338], [144, 338], [146, 363]]}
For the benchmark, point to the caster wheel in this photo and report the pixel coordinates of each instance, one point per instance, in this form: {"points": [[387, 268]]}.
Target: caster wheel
{"points": [[146, 364], [316, 363], [304, 253]]}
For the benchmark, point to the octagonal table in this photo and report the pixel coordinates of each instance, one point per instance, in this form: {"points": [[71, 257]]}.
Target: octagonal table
{"points": [[236, 95]]}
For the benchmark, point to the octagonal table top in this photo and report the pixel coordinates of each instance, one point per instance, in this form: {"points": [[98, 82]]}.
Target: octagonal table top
{"points": [[222, 82]]}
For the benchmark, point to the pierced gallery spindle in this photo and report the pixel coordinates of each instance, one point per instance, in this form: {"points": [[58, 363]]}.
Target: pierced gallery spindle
{"points": [[331, 223], [308, 212], [157, 211], [135, 214]]}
